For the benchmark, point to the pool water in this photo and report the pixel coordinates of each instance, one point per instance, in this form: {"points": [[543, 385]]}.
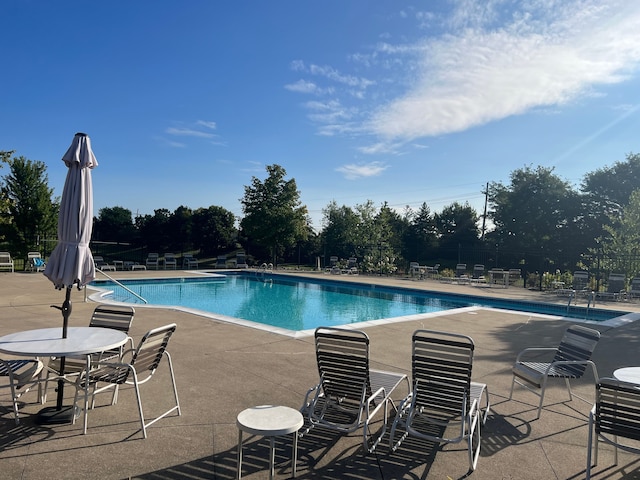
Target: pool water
{"points": [[302, 304]]}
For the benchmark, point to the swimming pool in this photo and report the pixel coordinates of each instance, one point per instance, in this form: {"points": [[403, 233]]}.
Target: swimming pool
{"points": [[294, 303]]}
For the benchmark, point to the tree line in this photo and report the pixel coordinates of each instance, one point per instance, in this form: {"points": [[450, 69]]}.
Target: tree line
{"points": [[537, 219]]}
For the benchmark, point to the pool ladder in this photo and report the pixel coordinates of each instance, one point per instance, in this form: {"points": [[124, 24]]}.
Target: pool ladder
{"points": [[591, 298]]}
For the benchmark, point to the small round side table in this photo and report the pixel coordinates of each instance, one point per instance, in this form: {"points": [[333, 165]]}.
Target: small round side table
{"points": [[270, 421]]}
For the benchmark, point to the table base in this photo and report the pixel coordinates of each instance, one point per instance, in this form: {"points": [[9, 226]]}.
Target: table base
{"points": [[53, 416]]}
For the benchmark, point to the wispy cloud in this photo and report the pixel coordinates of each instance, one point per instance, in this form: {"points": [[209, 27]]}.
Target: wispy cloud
{"points": [[549, 54], [201, 129], [353, 172], [489, 60], [206, 124], [188, 132]]}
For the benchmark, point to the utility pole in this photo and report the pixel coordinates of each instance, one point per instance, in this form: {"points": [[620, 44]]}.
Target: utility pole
{"points": [[484, 215]]}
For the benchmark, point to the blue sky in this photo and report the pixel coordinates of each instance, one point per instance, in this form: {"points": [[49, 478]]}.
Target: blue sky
{"points": [[397, 101]]}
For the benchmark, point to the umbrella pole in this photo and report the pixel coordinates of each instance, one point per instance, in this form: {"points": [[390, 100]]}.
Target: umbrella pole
{"points": [[66, 313], [59, 414]]}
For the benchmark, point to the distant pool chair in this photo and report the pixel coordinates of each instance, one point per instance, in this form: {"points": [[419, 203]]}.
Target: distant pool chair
{"points": [[170, 261], [152, 261], [189, 261], [570, 361]]}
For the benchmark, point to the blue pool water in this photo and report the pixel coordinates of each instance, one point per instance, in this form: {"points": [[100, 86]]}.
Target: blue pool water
{"points": [[301, 304]]}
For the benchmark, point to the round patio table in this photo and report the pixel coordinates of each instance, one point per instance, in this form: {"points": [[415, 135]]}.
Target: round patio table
{"points": [[628, 374], [48, 342], [270, 421]]}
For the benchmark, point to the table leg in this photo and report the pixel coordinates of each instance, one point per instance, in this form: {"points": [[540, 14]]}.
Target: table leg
{"points": [[272, 458], [294, 455], [239, 454]]}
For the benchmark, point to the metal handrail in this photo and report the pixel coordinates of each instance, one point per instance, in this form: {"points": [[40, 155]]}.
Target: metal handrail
{"points": [[121, 285]]}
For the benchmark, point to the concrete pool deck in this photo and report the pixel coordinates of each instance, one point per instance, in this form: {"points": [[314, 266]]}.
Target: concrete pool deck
{"points": [[222, 368]]}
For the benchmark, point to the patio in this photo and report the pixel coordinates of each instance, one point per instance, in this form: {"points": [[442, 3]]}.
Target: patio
{"points": [[223, 368]]}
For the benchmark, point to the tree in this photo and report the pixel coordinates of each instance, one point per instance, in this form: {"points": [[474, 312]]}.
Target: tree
{"points": [[537, 214], [622, 245], [457, 224], [154, 230], [421, 237], [339, 230], [274, 217], [213, 229], [181, 227], [606, 192], [28, 198], [114, 224]]}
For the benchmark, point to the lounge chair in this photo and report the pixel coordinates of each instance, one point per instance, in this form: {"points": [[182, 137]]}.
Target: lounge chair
{"points": [[430, 272], [241, 260], [145, 359], [514, 275], [221, 261], [333, 263], [478, 274], [570, 360], [170, 261], [580, 282], [615, 287], [349, 394], [443, 394], [461, 269], [22, 375], [6, 261], [152, 261], [414, 270], [352, 266], [35, 262], [615, 415], [188, 261]]}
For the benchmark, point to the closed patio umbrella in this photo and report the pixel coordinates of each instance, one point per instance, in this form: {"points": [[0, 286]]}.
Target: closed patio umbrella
{"points": [[71, 262]]}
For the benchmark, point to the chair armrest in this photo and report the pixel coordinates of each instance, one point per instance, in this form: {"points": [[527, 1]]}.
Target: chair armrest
{"points": [[576, 362]]}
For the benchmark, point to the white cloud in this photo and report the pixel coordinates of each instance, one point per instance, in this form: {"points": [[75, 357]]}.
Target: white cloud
{"points": [[302, 86], [211, 125], [487, 60], [188, 132], [545, 56], [353, 172]]}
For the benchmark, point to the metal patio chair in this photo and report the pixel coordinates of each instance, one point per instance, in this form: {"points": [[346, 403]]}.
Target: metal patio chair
{"points": [[615, 414], [443, 394], [118, 317], [570, 360], [349, 393], [22, 375], [145, 359]]}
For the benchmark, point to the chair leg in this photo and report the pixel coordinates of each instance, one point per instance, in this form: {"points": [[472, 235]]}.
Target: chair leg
{"points": [[173, 382], [566, 381], [15, 402], [137, 389], [589, 446], [474, 434]]}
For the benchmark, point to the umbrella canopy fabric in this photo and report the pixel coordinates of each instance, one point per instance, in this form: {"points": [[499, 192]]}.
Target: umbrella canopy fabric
{"points": [[71, 262]]}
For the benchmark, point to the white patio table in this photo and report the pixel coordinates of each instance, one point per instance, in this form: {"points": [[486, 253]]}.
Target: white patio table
{"points": [[48, 342]]}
